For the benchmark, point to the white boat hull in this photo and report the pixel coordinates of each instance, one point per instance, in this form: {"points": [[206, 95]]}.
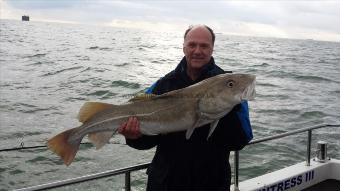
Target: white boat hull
{"points": [[294, 178]]}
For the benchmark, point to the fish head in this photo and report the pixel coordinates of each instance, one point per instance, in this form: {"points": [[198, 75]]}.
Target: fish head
{"points": [[224, 91]]}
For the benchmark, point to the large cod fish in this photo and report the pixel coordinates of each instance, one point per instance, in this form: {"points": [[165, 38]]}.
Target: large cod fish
{"points": [[179, 110]]}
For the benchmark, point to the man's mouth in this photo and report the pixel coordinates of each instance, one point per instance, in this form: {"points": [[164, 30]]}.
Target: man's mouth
{"points": [[197, 58]]}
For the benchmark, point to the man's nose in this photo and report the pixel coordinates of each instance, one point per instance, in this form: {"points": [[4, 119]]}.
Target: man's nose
{"points": [[197, 50]]}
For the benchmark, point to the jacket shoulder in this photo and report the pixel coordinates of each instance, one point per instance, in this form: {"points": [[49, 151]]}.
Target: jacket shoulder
{"points": [[215, 70], [164, 84]]}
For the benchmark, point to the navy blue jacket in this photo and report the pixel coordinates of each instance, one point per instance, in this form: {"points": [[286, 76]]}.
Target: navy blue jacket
{"points": [[196, 164]]}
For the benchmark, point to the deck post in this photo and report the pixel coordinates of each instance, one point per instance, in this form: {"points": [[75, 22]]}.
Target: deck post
{"points": [[309, 143], [236, 165], [128, 181]]}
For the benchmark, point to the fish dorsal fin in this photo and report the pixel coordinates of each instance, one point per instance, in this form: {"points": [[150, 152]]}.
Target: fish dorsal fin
{"points": [[89, 109], [142, 96]]}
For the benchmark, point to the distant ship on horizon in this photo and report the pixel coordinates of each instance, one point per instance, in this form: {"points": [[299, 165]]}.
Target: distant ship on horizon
{"points": [[25, 18]]}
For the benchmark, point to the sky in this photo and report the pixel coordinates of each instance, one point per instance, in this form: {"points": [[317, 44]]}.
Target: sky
{"points": [[298, 19]]}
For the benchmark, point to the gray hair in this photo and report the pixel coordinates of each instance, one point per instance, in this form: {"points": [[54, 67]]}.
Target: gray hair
{"points": [[209, 29]]}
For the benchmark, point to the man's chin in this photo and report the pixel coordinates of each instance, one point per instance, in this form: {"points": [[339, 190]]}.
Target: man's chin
{"points": [[197, 63]]}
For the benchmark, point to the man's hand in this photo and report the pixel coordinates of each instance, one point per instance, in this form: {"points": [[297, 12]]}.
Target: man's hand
{"points": [[130, 129]]}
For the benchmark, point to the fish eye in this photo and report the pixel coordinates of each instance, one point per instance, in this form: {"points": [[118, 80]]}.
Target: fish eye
{"points": [[230, 83]]}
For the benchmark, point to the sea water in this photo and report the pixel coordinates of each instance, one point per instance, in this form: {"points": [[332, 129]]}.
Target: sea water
{"points": [[48, 70]]}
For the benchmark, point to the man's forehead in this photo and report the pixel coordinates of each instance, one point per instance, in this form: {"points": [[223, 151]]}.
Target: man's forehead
{"points": [[198, 35], [199, 31]]}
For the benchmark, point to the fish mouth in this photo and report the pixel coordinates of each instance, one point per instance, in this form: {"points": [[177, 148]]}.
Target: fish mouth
{"points": [[249, 92]]}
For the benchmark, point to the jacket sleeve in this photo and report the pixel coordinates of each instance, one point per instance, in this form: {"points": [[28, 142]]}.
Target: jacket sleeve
{"points": [[145, 141], [243, 116], [234, 130]]}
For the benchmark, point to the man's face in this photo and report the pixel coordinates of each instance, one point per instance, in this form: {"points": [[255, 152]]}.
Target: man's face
{"points": [[198, 47]]}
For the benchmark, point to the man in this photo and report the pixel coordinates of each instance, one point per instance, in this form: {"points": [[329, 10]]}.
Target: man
{"points": [[196, 164]]}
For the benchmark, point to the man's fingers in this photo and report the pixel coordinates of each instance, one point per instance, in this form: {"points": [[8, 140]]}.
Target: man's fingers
{"points": [[129, 125], [130, 129], [122, 127], [135, 126]]}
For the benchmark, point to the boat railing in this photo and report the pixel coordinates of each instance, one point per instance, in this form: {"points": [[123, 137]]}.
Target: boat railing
{"points": [[127, 171]]}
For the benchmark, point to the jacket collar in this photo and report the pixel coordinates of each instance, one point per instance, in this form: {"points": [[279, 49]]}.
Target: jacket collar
{"points": [[207, 71]]}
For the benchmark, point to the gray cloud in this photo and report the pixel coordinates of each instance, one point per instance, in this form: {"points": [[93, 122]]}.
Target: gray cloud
{"points": [[264, 17]]}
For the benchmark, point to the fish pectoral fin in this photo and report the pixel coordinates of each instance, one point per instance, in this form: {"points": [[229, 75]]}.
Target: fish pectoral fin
{"points": [[189, 133], [89, 109], [100, 139], [198, 115], [213, 126]]}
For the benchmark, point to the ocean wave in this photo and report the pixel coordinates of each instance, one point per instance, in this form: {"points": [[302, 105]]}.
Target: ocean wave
{"points": [[311, 78], [16, 171], [84, 58], [44, 160], [85, 70], [125, 84], [274, 96], [101, 94], [100, 48], [264, 64], [146, 47], [336, 92], [39, 63], [122, 64], [266, 84], [60, 71], [313, 114], [74, 99], [95, 69], [35, 64], [5, 84], [28, 108], [20, 134], [93, 47], [307, 78], [36, 55], [278, 111]]}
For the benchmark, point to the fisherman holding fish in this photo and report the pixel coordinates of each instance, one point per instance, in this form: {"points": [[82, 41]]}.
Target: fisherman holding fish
{"points": [[195, 115], [188, 160]]}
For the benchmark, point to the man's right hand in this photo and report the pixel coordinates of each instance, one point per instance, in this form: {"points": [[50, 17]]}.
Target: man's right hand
{"points": [[130, 129]]}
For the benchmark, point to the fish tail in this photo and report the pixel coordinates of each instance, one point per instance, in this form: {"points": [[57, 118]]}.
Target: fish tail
{"points": [[62, 147]]}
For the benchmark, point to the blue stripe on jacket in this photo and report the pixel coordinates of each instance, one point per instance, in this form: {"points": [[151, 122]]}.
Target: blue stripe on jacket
{"points": [[150, 89], [243, 116]]}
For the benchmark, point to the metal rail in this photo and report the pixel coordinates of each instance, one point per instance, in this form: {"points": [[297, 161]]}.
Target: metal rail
{"points": [[127, 171], [278, 136]]}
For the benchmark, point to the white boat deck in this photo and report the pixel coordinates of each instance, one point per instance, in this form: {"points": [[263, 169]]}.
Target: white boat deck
{"points": [[315, 177]]}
